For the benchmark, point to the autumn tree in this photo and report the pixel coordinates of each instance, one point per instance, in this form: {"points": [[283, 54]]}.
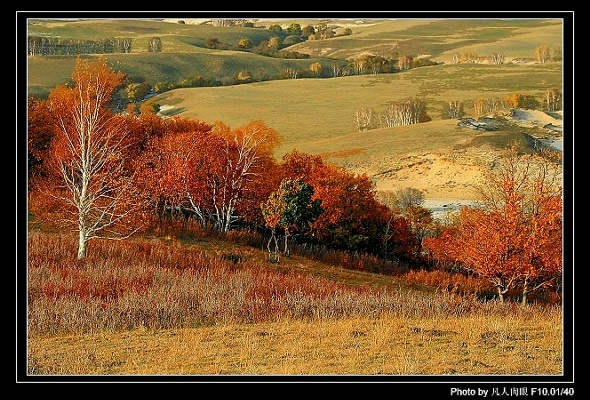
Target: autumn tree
{"points": [[484, 106], [316, 69], [266, 180], [497, 58], [291, 73], [453, 109], [215, 174], [40, 133], [364, 118], [408, 197], [557, 56], [352, 218], [245, 43], [244, 76], [398, 241], [294, 29], [274, 43], [92, 184], [212, 43], [514, 238], [408, 202], [552, 101], [242, 159], [137, 91], [470, 56], [515, 100], [405, 62], [307, 31], [323, 31], [155, 45], [173, 171], [409, 112], [149, 107], [359, 65]]}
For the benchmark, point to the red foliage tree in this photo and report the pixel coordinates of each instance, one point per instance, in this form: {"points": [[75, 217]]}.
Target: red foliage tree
{"points": [[217, 175], [514, 239], [40, 133], [173, 172], [352, 217]]}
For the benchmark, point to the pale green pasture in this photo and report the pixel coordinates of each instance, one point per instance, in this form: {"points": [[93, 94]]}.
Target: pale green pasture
{"points": [[44, 73], [441, 38], [309, 112]]}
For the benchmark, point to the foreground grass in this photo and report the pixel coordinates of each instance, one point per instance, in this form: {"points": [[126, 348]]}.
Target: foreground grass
{"points": [[151, 307], [521, 344]]}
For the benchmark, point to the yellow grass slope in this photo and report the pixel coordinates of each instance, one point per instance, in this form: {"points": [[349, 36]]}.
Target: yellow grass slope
{"points": [[360, 346]]}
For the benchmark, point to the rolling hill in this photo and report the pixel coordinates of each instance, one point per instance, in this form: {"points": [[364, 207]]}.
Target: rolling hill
{"points": [[318, 115]]}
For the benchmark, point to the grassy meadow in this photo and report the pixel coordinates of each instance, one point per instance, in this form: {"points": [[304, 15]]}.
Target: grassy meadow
{"points": [[441, 38], [517, 343], [330, 105], [184, 54], [193, 303]]}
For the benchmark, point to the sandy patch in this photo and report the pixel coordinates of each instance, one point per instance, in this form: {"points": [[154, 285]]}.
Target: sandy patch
{"points": [[538, 118], [438, 176], [449, 180]]}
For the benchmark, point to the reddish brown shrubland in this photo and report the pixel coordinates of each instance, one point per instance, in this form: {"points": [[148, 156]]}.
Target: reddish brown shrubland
{"points": [[452, 282], [146, 283]]}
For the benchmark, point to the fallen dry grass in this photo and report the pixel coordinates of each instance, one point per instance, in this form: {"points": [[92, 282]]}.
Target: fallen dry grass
{"points": [[389, 345]]}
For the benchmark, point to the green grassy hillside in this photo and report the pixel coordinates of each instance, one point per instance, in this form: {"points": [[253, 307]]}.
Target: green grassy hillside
{"points": [[184, 54], [317, 115], [45, 73], [440, 39], [176, 38]]}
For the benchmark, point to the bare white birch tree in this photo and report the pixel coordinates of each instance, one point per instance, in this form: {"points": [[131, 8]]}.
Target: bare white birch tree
{"points": [[87, 153]]}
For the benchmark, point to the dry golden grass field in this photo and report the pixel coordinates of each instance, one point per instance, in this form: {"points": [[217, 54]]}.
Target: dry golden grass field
{"points": [[517, 344]]}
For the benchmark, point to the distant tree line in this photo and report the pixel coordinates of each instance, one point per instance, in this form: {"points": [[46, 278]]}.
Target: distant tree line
{"points": [[542, 54], [413, 111], [46, 46]]}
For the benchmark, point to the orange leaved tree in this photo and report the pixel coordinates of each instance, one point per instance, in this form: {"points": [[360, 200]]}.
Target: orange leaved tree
{"points": [[514, 238], [246, 152], [90, 182], [174, 169]]}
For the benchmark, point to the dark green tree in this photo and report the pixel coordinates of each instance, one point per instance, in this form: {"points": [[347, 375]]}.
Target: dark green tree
{"points": [[294, 29], [291, 208]]}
